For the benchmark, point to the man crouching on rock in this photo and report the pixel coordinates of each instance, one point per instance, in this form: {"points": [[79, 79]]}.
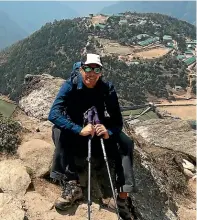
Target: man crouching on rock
{"points": [[75, 97]]}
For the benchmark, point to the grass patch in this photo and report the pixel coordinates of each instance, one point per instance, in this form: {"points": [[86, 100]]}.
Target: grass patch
{"points": [[146, 116], [6, 108]]}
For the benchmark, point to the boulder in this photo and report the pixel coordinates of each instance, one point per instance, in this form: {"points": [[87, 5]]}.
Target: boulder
{"points": [[173, 134], [10, 208], [39, 93], [188, 165], [188, 173], [36, 205], [14, 178], [37, 155]]}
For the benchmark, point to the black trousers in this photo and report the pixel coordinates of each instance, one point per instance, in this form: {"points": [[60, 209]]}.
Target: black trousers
{"points": [[119, 148]]}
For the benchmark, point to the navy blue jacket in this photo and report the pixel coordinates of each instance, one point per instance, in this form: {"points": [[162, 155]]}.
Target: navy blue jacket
{"points": [[74, 99]]}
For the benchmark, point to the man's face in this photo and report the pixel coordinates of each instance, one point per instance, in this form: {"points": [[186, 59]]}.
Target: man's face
{"points": [[90, 74]]}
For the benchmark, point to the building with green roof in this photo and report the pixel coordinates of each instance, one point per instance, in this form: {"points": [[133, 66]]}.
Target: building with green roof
{"points": [[170, 44], [190, 60], [191, 42], [139, 36], [122, 22], [148, 41], [167, 38], [101, 26], [180, 57], [189, 52]]}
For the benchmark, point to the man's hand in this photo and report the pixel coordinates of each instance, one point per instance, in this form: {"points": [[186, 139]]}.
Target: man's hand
{"points": [[101, 130], [88, 130]]}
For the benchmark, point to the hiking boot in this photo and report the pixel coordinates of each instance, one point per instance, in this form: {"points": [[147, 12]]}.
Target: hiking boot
{"points": [[124, 209], [71, 192]]}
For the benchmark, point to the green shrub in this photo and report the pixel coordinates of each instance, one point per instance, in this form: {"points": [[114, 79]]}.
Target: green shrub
{"points": [[9, 135]]}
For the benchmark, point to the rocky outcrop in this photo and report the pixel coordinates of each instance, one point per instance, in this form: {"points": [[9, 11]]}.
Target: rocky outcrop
{"points": [[164, 153], [36, 205], [19, 200], [162, 147], [176, 135], [38, 94]]}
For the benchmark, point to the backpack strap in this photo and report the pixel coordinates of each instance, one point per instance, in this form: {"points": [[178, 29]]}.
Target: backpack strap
{"points": [[74, 78], [105, 87]]}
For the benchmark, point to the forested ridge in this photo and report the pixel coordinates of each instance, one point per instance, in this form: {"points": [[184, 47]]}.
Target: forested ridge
{"points": [[56, 46]]}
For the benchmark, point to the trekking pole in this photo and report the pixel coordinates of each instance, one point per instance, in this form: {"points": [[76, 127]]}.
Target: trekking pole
{"points": [[89, 178], [97, 121], [90, 121]]}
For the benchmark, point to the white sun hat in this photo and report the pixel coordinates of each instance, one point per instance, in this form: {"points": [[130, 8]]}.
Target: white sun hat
{"points": [[93, 58]]}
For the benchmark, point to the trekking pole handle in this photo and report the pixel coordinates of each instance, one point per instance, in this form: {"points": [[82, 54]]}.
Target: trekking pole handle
{"points": [[90, 116], [96, 118]]}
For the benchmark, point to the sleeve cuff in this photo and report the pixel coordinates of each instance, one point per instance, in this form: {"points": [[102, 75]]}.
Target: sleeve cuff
{"points": [[77, 129], [109, 132]]}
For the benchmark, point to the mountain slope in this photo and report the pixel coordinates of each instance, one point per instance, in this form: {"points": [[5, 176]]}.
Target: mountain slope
{"points": [[10, 31], [56, 46], [52, 49], [184, 10], [31, 15]]}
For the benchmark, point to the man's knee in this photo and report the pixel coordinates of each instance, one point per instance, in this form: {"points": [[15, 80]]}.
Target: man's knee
{"points": [[62, 136], [56, 135], [125, 142]]}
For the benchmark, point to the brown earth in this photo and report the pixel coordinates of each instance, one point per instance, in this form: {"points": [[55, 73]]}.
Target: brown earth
{"points": [[188, 210], [115, 48], [187, 112], [153, 53], [99, 19], [184, 112], [186, 102]]}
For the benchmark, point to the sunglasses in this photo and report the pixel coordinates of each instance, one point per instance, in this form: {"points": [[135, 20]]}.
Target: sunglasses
{"points": [[88, 69]]}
